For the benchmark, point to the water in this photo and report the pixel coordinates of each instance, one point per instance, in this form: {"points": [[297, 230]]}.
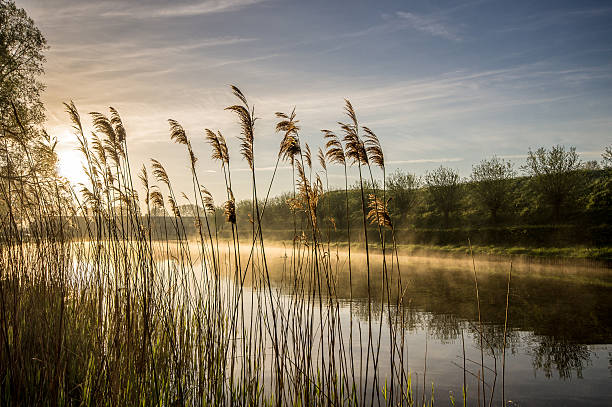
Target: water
{"points": [[559, 329], [559, 326]]}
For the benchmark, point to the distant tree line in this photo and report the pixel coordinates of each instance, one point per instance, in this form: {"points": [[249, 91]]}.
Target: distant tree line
{"points": [[553, 199], [553, 190]]}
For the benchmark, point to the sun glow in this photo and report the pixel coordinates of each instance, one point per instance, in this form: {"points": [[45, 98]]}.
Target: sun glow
{"points": [[70, 166]]}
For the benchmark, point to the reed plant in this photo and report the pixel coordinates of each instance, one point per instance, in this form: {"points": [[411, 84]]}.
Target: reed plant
{"points": [[106, 299]]}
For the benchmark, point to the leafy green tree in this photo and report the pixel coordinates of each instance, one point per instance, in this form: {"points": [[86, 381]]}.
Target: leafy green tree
{"points": [[492, 185], [402, 189], [591, 165], [599, 200], [444, 190], [607, 157], [554, 175]]}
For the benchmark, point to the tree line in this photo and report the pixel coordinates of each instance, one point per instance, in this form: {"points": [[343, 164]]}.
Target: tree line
{"points": [[553, 189], [554, 186]]}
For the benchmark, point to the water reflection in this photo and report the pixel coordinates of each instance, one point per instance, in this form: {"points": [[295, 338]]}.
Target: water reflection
{"points": [[554, 313], [559, 326], [557, 355]]}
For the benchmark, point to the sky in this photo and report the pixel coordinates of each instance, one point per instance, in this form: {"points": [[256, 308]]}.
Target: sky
{"points": [[440, 82]]}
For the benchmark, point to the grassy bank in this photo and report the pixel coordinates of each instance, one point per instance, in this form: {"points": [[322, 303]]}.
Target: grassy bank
{"points": [[561, 254], [597, 257]]}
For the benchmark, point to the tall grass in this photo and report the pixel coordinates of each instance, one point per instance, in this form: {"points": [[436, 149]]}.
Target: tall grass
{"points": [[136, 313]]}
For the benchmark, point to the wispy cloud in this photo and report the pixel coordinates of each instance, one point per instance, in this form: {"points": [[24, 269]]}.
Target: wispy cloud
{"points": [[430, 25], [139, 49], [173, 9], [59, 12], [435, 25], [283, 167], [426, 160], [452, 94], [244, 60]]}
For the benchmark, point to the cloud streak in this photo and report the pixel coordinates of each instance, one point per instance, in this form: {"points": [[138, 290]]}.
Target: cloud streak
{"points": [[271, 168], [182, 10], [426, 160], [429, 25]]}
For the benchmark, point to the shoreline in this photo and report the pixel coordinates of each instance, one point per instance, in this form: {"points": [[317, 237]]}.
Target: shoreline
{"points": [[570, 256], [600, 257]]}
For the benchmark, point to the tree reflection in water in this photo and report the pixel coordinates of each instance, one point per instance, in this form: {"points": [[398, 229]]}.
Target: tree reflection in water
{"points": [[551, 355], [439, 298]]}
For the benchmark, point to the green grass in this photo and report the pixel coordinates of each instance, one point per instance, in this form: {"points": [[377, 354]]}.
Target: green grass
{"points": [[599, 254], [560, 253]]}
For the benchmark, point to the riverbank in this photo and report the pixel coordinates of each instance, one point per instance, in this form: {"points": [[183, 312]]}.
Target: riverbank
{"points": [[580, 256], [600, 257], [583, 253]]}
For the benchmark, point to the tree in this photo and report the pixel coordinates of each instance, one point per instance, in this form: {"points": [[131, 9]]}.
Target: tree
{"points": [[402, 189], [554, 175], [599, 200], [591, 165], [27, 156], [444, 190], [607, 157], [491, 180], [21, 63]]}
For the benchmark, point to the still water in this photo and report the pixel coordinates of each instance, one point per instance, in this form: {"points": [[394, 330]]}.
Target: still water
{"points": [[558, 333], [559, 326]]}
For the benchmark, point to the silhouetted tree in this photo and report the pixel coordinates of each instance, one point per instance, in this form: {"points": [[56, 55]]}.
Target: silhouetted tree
{"points": [[444, 190], [554, 175], [492, 184], [21, 63], [27, 156]]}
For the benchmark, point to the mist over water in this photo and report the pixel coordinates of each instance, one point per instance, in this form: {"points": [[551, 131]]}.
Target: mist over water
{"points": [[559, 327]]}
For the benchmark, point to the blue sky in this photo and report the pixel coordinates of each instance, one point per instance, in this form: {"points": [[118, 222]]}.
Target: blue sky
{"points": [[440, 82]]}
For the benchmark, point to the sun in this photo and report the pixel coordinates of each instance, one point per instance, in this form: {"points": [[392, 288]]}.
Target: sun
{"points": [[70, 165]]}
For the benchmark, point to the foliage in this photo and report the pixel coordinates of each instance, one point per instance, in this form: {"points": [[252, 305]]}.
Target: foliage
{"points": [[607, 157], [554, 175], [444, 190], [402, 189], [599, 198], [491, 183], [523, 210], [27, 156], [21, 63]]}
